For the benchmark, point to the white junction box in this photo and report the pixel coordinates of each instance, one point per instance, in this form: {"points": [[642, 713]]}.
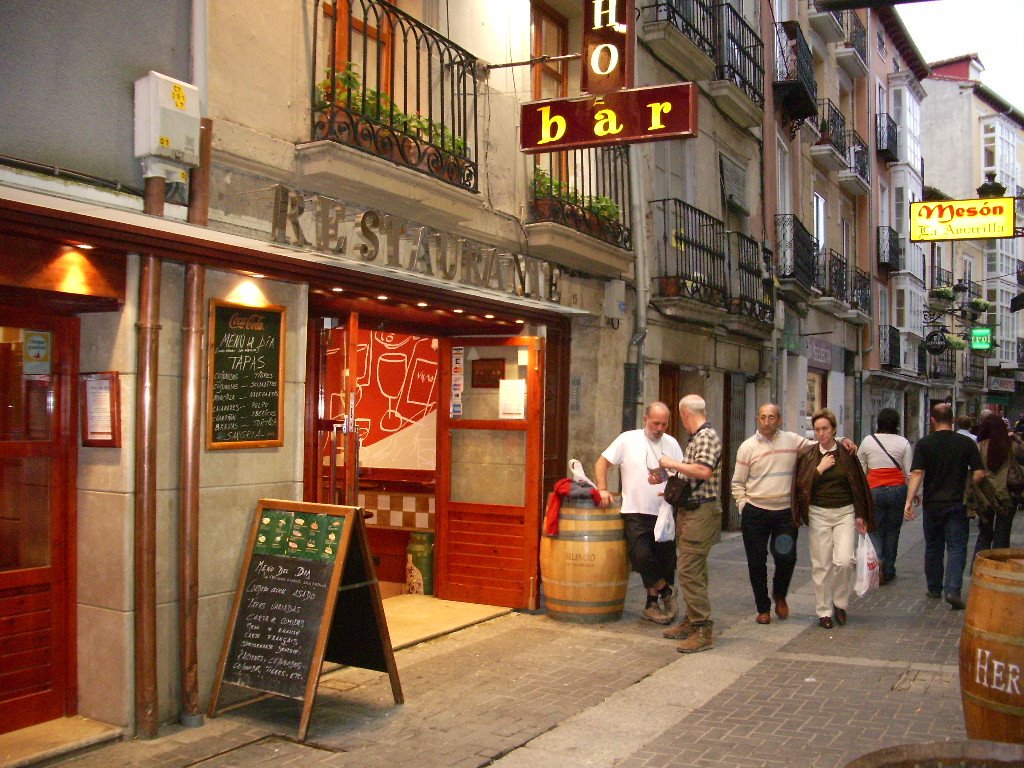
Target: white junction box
{"points": [[614, 299], [167, 119]]}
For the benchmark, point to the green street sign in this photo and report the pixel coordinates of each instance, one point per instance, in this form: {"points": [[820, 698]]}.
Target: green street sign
{"points": [[981, 338]]}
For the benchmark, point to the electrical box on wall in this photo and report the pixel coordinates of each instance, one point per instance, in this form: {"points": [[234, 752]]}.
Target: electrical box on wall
{"points": [[614, 299], [167, 119]]}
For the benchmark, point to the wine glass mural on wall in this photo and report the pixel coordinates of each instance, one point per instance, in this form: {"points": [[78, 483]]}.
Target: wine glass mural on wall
{"points": [[391, 370]]}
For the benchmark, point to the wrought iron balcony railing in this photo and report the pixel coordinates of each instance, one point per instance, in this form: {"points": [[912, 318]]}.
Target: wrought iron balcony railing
{"points": [[694, 18], [922, 360], [943, 365], [391, 86], [831, 275], [832, 126], [860, 290], [890, 255], [794, 79], [1020, 353], [857, 156], [586, 190], [795, 247], [974, 369], [740, 54], [754, 264], [691, 253], [941, 278], [889, 346], [856, 35], [887, 138]]}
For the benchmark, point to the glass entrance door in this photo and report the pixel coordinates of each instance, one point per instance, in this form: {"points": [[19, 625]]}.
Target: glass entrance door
{"points": [[341, 364], [36, 467], [489, 460]]}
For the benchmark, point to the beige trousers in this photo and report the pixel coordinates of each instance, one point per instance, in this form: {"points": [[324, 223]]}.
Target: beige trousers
{"points": [[696, 532], [832, 539]]}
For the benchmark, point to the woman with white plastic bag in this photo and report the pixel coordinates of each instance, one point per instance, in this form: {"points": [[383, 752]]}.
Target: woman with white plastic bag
{"points": [[868, 566]]}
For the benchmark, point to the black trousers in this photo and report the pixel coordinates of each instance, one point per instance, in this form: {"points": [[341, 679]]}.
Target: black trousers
{"points": [[653, 560], [763, 528]]}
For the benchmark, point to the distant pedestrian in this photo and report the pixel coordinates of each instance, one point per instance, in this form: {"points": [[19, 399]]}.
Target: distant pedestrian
{"points": [[965, 426], [997, 452], [637, 453], [831, 497], [886, 457], [942, 461], [697, 524]]}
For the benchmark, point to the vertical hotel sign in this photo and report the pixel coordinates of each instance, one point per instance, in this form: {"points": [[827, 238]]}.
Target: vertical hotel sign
{"points": [[608, 46]]}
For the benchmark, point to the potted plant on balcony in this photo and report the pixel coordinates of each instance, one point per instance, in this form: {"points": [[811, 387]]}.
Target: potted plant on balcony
{"points": [[940, 299], [824, 131], [955, 342], [979, 305]]}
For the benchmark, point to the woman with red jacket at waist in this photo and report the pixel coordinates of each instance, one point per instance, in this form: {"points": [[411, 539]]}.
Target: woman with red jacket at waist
{"points": [[829, 491]]}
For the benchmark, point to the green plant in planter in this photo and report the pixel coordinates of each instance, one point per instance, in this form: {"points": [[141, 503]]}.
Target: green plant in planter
{"points": [[979, 305], [955, 342], [942, 293], [604, 208]]}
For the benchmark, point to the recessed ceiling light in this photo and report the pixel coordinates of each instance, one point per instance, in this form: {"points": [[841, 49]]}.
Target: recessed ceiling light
{"points": [[382, 297], [458, 311], [520, 322], [337, 290], [422, 304], [257, 275], [83, 246], [489, 317]]}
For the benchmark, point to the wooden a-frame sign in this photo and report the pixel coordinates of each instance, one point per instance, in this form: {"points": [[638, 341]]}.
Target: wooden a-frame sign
{"points": [[306, 594]]}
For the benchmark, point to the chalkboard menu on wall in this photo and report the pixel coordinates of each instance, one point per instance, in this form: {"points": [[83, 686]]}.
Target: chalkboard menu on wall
{"points": [[245, 408], [306, 593]]}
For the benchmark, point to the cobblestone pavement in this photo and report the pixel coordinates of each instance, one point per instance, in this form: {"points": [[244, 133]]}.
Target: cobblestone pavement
{"points": [[523, 690]]}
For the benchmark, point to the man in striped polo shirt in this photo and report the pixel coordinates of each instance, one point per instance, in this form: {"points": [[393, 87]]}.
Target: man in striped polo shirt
{"points": [[762, 485]]}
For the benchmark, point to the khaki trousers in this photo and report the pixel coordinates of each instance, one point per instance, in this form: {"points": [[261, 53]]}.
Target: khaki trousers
{"points": [[696, 532], [832, 539]]}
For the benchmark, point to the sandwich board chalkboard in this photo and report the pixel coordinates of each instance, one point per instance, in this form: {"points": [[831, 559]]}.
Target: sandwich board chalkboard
{"points": [[306, 594], [245, 376]]}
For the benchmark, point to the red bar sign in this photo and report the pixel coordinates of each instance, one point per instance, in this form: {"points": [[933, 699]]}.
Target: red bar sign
{"points": [[623, 117]]}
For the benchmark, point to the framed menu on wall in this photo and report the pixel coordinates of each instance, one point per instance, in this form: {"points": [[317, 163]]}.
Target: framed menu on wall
{"points": [[245, 376]]}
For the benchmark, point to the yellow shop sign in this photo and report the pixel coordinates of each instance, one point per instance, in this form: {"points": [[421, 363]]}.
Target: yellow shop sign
{"points": [[962, 219]]}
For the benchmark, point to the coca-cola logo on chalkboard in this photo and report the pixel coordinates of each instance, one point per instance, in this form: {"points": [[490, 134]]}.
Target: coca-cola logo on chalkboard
{"points": [[240, 322]]}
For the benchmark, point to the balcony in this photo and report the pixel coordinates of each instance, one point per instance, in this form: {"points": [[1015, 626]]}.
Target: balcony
{"points": [[922, 360], [829, 152], [886, 138], [1020, 354], [974, 370], [832, 280], [852, 55], [738, 87], [691, 264], [795, 249], [828, 24], [860, 298], [941, 278], [890, 256], [401, 103], [943, 366], [752, 294], [579, 213], [795, 88], [856, 177], [889, 347], [682, 34]]}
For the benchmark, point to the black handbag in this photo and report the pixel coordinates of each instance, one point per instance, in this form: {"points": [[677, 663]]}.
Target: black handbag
{"points": [[677, 490]]}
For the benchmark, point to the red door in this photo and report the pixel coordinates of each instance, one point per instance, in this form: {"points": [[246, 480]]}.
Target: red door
{"points": [[489, 468], [37, 459]]}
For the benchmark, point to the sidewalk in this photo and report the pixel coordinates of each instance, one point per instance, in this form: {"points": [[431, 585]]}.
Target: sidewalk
{"points": [[523, 690]]}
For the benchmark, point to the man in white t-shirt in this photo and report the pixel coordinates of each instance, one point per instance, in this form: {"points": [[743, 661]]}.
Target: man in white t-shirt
{"points": [[638, 454]]}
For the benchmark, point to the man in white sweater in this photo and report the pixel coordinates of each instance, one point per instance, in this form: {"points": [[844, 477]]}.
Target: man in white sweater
{"points": [[762, 485]]}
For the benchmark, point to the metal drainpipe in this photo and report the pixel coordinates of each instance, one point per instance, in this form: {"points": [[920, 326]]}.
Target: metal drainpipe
{"points": [[643, 283], [147, 366], [189, 440]]}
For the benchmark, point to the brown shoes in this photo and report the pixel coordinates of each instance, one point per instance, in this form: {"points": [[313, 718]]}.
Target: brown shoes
{"points": [[841, 617], [699, 639], [653, 613], [681, 630], [781, 608], [825, 622], [764, 618]]}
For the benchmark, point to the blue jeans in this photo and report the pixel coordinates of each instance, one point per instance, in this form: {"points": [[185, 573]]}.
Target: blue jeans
{"points": [[945, 532], [888, 503]]}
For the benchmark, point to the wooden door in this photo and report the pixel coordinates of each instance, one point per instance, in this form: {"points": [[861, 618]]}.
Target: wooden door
{"points": [[38, 364], [489, 462]]}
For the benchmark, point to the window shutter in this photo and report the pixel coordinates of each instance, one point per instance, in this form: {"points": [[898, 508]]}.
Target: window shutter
{"points": [[734, 185]]}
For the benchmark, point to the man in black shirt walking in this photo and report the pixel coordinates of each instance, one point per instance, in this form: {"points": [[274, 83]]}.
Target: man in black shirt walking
{"points": [[942, 460]]}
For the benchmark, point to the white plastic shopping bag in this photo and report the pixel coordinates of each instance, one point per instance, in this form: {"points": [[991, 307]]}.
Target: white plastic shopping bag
{"points": [[868, 567], [665, 526]]}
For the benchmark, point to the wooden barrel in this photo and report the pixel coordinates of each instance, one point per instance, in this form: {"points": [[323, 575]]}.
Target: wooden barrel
{"points": [[584, 568], [992, 648]]}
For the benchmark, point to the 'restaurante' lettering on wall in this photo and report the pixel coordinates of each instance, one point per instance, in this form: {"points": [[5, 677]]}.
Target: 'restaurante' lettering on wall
{"points": [[332, 228]]}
